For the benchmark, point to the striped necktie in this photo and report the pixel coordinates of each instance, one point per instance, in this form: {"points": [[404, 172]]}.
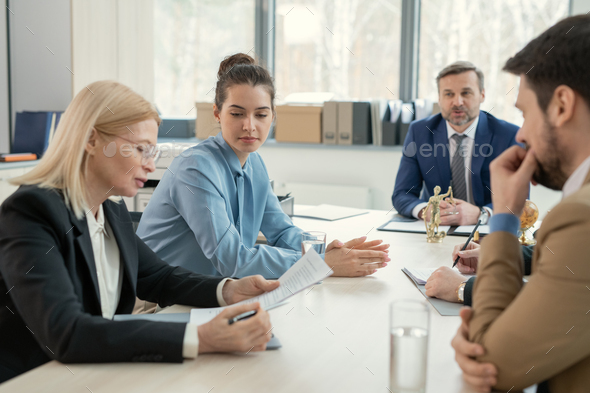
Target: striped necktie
{"points": [[458, 168]]}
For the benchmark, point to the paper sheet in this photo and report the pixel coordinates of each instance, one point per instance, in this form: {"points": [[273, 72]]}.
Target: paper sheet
{"points": [[419, 275], [467, 229], [407, 113], [395, 108], [304, 273]]}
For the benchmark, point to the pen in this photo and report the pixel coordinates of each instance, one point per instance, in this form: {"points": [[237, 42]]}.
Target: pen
{"points": [[467, 242], [241, 317]]}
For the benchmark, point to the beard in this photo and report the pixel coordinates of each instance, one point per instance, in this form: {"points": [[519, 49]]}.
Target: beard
{"points": [[550, 166], [467, 117]]}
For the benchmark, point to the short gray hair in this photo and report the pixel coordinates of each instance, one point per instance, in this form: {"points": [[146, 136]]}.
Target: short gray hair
{"points": [[460, 67]]}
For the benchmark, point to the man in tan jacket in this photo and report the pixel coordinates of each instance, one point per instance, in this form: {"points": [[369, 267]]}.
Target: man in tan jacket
{"points": [[539, 333]]}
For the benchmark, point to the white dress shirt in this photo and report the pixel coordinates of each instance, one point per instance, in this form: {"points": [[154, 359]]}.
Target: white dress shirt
{"points": [[110, 277], [469, 143], [106, 259], [576, 180]]}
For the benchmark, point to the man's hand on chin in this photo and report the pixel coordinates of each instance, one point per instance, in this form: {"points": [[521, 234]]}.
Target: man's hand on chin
{"points": [[510, 175]]}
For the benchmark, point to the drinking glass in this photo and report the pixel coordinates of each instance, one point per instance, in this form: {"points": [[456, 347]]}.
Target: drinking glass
{"points": [[315, 240], [408, 326]]}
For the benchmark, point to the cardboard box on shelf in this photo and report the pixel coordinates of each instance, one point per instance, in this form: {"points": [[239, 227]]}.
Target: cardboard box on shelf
{"points": [[206, 124], [299, 123]]}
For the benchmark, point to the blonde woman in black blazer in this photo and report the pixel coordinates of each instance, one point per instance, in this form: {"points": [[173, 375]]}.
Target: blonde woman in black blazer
{"points": [[55, 304]]}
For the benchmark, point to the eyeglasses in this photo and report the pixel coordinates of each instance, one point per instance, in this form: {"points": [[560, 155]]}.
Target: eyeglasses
{"points": [[148, 152]]}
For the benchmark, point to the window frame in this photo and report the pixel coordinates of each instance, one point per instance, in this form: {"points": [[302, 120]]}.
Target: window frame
{"points": [[409, 48]]}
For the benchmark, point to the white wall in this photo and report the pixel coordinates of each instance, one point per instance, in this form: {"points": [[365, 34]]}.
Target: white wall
{"points": [[113, 39], [40, 55], [580, 6]]}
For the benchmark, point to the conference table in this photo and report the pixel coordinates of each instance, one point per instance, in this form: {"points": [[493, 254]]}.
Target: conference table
{"points": [[334, 335]]}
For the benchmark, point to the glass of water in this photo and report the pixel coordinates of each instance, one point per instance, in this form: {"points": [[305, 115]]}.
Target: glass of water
{"points": [[315, 240], [408, 326]]}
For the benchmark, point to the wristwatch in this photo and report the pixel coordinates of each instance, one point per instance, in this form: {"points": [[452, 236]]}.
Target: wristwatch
{"points": [[461, 292], [484, 216]]}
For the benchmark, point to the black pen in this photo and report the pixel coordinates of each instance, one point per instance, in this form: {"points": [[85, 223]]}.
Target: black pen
{"points": [[467, 242], [241, 317]]}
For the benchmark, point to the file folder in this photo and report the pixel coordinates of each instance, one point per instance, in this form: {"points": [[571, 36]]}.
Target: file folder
{"points": [[354, 123]]}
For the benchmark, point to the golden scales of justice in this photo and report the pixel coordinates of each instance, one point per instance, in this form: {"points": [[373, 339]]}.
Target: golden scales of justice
{"points": [[528, 218], [432, 233]]}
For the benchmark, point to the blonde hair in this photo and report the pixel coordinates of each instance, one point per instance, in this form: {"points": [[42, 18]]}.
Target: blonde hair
{"points": [[106, 106]]}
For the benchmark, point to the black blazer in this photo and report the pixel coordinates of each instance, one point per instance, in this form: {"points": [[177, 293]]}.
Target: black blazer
{"points": [[49, 297]]}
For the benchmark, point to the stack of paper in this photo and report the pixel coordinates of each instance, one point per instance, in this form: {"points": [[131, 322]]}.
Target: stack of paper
{"points": [[304, 273], [408, 114], [395, 109]]}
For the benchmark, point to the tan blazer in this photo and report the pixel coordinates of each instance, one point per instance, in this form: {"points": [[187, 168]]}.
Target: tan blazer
{"points": [[540, 331]]}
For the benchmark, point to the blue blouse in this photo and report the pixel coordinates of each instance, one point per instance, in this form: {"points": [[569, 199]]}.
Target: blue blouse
{"points": [[207, 211]]}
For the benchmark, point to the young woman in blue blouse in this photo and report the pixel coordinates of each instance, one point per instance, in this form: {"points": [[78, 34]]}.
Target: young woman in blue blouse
{"points": [[207, 211]]}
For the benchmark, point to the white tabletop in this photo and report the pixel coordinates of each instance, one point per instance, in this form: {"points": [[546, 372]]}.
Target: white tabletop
{"points": [[335, 336]]}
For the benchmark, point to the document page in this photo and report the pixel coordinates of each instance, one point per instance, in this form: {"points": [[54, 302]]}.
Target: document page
{"points": [[310, 269], [421, 275], [467, 229]]}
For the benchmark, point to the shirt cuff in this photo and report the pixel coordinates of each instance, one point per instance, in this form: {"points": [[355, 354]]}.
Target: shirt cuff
{"points": [[505, 222], [417, 209], [190, 344], [219, 292], [490, 212]]}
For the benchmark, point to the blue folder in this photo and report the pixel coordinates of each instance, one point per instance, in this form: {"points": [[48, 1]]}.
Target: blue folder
{"points": [[32, 131]]}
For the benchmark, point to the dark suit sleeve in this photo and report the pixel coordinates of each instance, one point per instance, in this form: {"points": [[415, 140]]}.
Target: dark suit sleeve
{"points": [[166, 285], [408, 182], [468, 291], [527, 254], [48, 300]]}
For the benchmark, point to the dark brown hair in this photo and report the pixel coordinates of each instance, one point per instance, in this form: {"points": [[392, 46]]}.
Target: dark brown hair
{"points": [[460, 67], [241, 69], [559, 56]]}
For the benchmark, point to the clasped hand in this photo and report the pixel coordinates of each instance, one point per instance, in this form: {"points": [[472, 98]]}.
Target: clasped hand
{"points": [[459, 213], [357, 257]]}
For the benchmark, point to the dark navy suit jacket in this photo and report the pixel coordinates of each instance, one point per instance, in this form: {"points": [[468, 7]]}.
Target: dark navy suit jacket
{"points": [[425, 162]]}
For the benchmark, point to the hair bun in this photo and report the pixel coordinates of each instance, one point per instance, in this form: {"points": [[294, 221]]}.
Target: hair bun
{"points": [[233, 60]]}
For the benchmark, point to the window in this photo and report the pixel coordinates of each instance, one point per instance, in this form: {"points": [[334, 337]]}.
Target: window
{"points": [[486, 33], [348, 47], [191, 38]]}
